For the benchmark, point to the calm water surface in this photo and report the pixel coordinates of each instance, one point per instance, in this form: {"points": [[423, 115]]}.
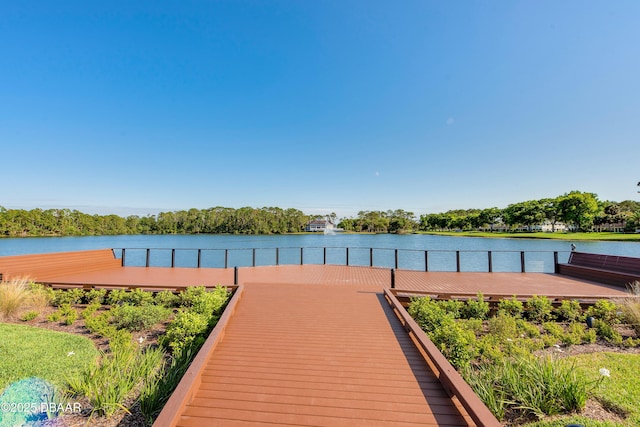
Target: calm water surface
{"points": [[411, 248]]}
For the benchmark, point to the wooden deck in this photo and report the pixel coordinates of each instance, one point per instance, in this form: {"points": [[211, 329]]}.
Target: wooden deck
{"points": [[320, 345], [297, 355]]}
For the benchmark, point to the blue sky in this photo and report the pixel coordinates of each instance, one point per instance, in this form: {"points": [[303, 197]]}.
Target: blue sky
{"points": [[325, 106]]}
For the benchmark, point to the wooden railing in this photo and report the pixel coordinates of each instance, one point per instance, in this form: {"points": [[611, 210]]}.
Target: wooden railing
{"points": [[190, 382], [450, 379]]}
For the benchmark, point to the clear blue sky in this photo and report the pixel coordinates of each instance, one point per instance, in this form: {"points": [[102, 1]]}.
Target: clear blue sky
{"points": [[326, 106]]}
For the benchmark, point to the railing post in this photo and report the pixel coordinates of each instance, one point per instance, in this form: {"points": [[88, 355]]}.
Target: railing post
{"points": [[235, 275], [301, 256], [347, 257], [277, 256], [199, 257], [253, 257], [393, 278], [426, 260], [395, 254], [173, 258], [123, 256], [324, 256], [490, 262], [226, 258], [555, 262], [522, 269], [458, 261], [148, 257], [370, 257]]}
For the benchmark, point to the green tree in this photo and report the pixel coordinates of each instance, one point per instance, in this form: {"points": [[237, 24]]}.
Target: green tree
{"points": [[579, 209], [526, 214]]}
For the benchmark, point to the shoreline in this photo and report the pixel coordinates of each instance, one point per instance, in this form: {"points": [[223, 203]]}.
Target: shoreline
{"points": [[577, 236]]}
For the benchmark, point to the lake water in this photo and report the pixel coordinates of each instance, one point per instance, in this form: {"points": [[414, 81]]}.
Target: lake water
{"points": [[364, 249]]}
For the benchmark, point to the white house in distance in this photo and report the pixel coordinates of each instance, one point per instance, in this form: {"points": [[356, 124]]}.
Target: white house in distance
{"points": [[321, 225]]}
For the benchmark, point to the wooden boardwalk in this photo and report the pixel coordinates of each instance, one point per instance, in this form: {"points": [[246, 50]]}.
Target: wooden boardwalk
{"points": [[318, 345], [322, 355]]}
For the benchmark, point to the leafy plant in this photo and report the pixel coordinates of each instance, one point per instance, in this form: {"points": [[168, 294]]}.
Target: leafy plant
{"points": [[606, 331], [67, 296], [569, 311], [185, 330], [108, 383], [475, 309], [538, 309], [166, 299], [29, 315], [137, 318], [157, 390], [135, 297], [535, 386], [605, 310], [511, 307], [95, 296]]}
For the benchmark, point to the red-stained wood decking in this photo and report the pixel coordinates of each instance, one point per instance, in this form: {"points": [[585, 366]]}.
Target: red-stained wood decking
{"points": [[321, 355]]}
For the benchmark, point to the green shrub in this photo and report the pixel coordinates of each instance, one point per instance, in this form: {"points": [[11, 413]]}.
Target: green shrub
{"points": [[605, 310], [137, 318], [166, 299], [475, 309], [29, 315], [100, 324], [569, 311], [210, 303], [553, 329], [54, 317], [95, 296], [117, 296], [140, 297], [68, 296], [90, 309], [606, 331], [452, 307], [184, 330], [589, 336], [455, 343], [503, 326], [575, 334], [65, 313], [428, 314], [510, 307], [135, 297], [538, 309], [70, 317], [189, 295], [527, 329]]}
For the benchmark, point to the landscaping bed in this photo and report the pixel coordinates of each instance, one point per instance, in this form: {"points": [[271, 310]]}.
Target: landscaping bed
{"points": [[531, 363], [145, 342]]}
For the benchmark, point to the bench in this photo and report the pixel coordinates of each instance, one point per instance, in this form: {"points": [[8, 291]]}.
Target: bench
{"points": [[45, 267], [608, 269]]}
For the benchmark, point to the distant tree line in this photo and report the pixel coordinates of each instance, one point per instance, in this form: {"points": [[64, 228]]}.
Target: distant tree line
{"points": [[582, 211], [66, 222]]}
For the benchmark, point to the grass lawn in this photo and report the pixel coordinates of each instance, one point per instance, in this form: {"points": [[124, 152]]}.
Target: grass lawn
{"points": [[631, 237], [26, 351]]}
